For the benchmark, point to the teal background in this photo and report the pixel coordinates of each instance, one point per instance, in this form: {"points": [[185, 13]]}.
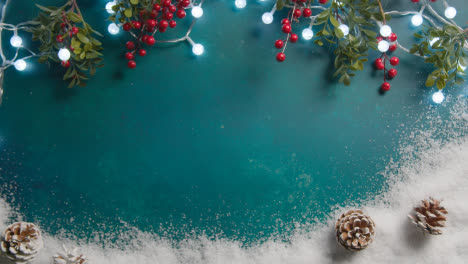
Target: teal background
{"points": [[230, 143]]}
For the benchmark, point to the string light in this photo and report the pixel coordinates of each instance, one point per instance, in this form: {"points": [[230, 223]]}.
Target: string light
{"points": [[383, 46], [197, 12], [240, 3], [385, 31], [113, 29], [109, 7], [267, 18], [64, 54], [20, 65], [345, 29], [307, 34], [450, 12], [16, 41], [438, 97], [417, 20], [198, 49]]}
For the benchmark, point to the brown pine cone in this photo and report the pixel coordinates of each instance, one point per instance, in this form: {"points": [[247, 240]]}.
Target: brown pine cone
{"points": [[354, 230], [429, 215], [21, 242]]}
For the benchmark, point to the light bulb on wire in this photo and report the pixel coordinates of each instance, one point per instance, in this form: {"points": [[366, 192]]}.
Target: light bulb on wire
{"points": [[383, 46], [20, 65], [345, 29], [113, 29], [16, 41], [417, 20], [64, 54], [307, 34], [198, 49], [197, 12], [438, 97], [385, 31], [450, 12], [267, 18], [240, 3], [109, 7]]}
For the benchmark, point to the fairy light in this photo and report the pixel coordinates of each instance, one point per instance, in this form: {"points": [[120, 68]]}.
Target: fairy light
{"points": [[240, 3], [307, 33], [345, 29], [417, 20], [20, 65], [385, 31], [383, 46], [198, 49], [109, 7], [450, 12], [16, 41], [197, 12], [438, 97], [113, 29], [267, 18], [64, 54]]}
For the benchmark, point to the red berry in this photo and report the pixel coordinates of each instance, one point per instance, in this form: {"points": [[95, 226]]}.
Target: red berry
{"points": [[185, 3], [414, 1], [59, 39], [127, 27], [172, 24], [385, 86], [394, 61], [393, 37], [162, 30], [285, 21], [74, 30], [172, 9], [166, 2], [307, 12], [151, 23], [150, 29], [143, 38], [163, 24], [168, 16], [392, 47], [433, 0], [136, 24], [142, 14], [150, 40], [180, 13], [286, 28], [379, 64], [131, 64], [297, 13], [323, 1], [65, 64], [157, 7], [130, 45], [293, 38], [279, 44], [303, 1], [63, 25], [379, 38], [154, 13], [142, 52], [392, 73], [129, 56], [280, 57]]}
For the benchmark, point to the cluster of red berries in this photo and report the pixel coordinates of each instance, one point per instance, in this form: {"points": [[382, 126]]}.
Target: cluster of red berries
{"points": [[391, 39], [379, 63], [67, 31], [149, 22]]}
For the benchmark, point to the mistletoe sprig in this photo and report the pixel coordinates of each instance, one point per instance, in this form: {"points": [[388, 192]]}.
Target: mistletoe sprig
{"points": [[443, 48], [66, 38]]}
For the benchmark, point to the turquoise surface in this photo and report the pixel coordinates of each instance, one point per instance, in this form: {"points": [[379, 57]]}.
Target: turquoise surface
{"points": [[230, 143]]}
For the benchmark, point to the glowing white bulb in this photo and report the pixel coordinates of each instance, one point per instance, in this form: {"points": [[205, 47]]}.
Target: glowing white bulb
{"points": [[434, 40], [450, 12], [385, 31], [16, 41], [383, 46], [240, 3], [344, 28], [438, 97], [20, 65], [267, 18], [417, 20], [109, 7], [462, 67], [64, 54], [113, 29], [197, 12], [198, 49], [307, 33]]}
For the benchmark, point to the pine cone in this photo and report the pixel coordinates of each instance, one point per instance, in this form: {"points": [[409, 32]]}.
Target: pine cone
{"points": [[429, 215], [70, 257], [21, 242], [354, 230]]}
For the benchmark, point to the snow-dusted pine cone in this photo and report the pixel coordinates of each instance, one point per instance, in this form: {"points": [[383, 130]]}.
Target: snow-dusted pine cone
{"points": [[70, 257], [429, 215], [354, 230], [21, 242]]}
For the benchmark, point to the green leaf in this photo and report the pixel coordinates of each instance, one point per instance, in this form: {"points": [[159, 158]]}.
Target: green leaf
{"points": [[430, 81], [338, 33], [134, 2], [318, 42], [83, 38], [279, 4], [334, 22], [128, 12]]}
